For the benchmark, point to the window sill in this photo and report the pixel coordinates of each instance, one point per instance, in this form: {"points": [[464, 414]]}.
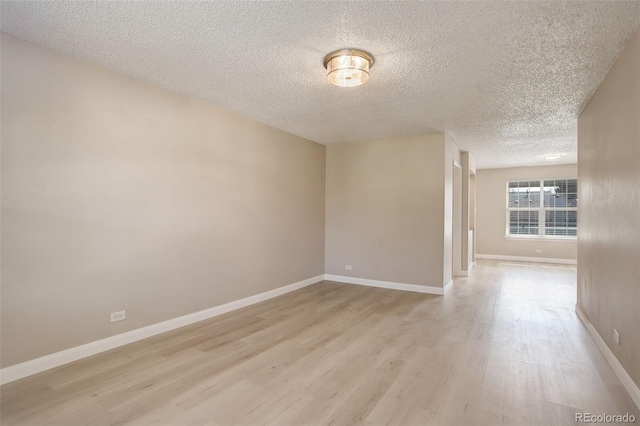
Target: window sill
{"points": [[540, 238]]}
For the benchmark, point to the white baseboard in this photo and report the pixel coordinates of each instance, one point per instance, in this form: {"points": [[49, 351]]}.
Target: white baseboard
{"points": [[527, 259], [448, 287], [627, 381], [28, 368], [465, 273], [390, 284]]}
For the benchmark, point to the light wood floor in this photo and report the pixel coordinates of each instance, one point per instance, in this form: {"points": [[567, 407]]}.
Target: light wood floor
{"points": [[503, 347]]}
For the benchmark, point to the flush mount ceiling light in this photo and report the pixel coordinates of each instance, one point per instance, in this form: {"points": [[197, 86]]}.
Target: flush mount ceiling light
{"points": [[348, 67], [552, 156]]}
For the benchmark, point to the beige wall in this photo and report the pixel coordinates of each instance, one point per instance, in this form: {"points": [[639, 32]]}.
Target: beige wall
{"points": [[385, 210], [119, 195], [609, 195], [491, 214]]}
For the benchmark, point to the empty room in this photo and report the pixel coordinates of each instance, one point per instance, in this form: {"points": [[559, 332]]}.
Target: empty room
{"points": [[319, 213]]}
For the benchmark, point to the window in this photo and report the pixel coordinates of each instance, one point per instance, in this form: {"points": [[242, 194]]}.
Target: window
{"points": [[544, 208]]}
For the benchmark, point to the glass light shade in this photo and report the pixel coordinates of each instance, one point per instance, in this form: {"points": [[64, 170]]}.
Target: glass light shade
{"points": [[348, 68]]}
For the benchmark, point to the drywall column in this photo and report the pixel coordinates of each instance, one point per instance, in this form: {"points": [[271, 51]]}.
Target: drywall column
{"points": [[468, 210], [472, 219], [451, 154]]}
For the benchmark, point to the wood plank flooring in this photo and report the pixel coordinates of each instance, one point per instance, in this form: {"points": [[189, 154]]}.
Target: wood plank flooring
{"points": [[503, 347]]}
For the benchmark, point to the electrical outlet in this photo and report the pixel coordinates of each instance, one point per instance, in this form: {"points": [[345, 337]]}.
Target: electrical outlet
{"points": [[538, 250], [118, 316], [348, 267], [616, 336]]}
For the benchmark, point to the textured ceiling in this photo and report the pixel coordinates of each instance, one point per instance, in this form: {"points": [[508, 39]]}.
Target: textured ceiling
{"points": [[505, 79]]}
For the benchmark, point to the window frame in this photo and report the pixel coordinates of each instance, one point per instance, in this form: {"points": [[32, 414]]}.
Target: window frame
{"points": [[541, 209]]}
